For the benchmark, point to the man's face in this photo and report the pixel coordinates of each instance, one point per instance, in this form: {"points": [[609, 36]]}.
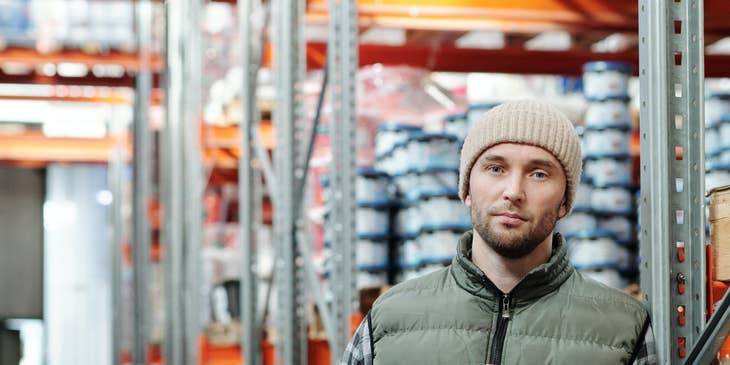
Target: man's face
{"points": [[516, 194]]}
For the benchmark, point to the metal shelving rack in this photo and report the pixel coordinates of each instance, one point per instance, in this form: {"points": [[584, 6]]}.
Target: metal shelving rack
{"points": [[342, 61], [290, 319], [672, 205], [142, 187]]}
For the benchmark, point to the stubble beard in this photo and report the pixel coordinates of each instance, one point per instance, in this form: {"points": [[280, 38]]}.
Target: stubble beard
{"points": [[511, 243]]}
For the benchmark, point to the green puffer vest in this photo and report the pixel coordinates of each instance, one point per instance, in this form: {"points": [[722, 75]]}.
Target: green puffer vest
{"points": [[553, 316]]}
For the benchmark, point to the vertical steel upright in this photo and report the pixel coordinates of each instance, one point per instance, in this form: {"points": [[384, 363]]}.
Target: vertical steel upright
{"points": [[342, 62], [672, 172], [171, 182], [247, 180], [116, 185], [142, 183], [194, 177], [291, 338]]}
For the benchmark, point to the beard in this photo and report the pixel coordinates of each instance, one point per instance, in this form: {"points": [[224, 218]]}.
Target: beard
{"points": [[511, 243]]}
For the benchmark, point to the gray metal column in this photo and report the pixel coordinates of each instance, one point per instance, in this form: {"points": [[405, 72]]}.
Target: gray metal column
{"points": [[171, 183], [116, 186], [194, 182], [288, 65], [142, 182], [672, 172], [247, 181], [342, 66]]}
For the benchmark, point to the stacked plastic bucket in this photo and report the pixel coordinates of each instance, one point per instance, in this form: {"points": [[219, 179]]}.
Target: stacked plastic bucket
{"points": [[373, 216], [428, 217], [601, 229]]}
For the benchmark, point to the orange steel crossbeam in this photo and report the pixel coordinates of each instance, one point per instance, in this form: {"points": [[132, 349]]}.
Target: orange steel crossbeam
{"points": [[31, 57], [33, 147]]}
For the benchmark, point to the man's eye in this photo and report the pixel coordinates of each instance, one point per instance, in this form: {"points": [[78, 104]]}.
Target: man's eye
{"points": [[495, 169], [540, 174]]}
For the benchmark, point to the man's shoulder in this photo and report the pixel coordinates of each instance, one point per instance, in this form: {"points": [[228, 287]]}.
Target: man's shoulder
{"points": [[424, 285], [586, 287]]}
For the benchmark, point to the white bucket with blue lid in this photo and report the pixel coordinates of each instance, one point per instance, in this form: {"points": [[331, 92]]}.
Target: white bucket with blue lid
{"points": [[372, 219], [606, 79], [612, 199], [608, 112], [443, 209], [613, 141], [598, 249], [433, 150], [390, 133], [372, 251], [372, 186], [576, 221], [456, 124], [717, 104], [617, 169]]}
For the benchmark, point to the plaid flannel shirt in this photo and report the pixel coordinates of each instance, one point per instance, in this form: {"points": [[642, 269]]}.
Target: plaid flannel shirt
{"points": [[360, 349]]}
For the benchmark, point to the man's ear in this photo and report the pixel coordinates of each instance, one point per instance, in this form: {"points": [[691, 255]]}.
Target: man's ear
{"points": [[563, 211], [467, 200]]}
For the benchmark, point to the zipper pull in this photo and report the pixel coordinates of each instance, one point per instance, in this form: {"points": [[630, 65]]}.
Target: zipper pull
{"points": [[505, 306]]}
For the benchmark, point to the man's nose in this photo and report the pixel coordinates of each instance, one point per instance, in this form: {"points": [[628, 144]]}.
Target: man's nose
{"points": [[514, 190]]}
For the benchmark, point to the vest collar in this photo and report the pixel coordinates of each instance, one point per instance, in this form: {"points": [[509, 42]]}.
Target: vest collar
{"points": [[538, 282]]}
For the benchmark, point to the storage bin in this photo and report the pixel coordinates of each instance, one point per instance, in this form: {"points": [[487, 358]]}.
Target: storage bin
{"points": [[432, 150], [716, 106], [372, 251], [409, 253], [457, 124], [442, 210], [373, 219], [606, 79], [372, 186], [599, 252], [620, 226], [606, 142], [369, 279], [438, 245], [408, 220], [612, 200], [606, 171], [576, 221], [582, 200], [713, 142], [389, 134], [612, 112]]}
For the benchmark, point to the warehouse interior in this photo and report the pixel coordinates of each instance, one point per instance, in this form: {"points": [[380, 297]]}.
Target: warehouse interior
{"points": [[219, 182]]}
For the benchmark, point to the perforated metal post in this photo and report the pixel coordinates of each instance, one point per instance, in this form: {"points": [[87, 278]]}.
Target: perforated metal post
{"points": [[116, 185], [171, 187], [194, 178], [247, 178], [142, 184], [672, 172], [342, 66], [288, 71]]}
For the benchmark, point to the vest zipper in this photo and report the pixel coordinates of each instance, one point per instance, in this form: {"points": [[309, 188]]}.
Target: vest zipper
{"points": [[495, 357]]}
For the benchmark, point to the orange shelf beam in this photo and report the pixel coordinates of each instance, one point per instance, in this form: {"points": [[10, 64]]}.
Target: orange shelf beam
{"points": [[34, 147], [31, 57]]}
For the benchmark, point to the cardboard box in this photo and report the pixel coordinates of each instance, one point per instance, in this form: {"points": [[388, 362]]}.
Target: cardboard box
{"points": [[720, 231]]}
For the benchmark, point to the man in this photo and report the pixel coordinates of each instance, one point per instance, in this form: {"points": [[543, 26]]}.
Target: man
{"points": [[510, 296]]}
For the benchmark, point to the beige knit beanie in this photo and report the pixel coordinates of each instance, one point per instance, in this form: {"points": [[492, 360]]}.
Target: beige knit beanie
{"points": [[529, 122]]}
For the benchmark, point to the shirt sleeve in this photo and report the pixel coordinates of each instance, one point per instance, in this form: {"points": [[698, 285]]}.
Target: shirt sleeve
{"points": [[647, 352], [359, 350]]}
